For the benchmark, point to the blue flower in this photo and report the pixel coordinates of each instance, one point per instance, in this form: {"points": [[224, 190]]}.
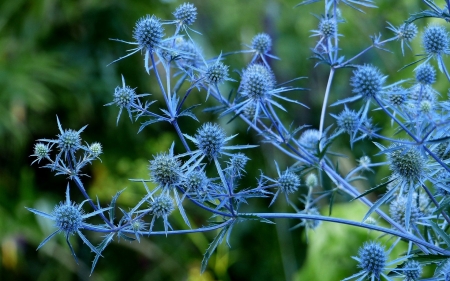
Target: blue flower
{"points": [[210, 141], [148, 33], [68, 142], [69, 218], [125, 98], [372, 259]]}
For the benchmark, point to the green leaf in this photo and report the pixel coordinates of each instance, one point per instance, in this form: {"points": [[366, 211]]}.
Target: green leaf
{"points": [[426, 259], [306, 2], [372, 190], [112, 211], [440, 233], [212, 247], [331, 202], [128, 238], [445, 204], [379, 203], [100, 248], [254, 217]]}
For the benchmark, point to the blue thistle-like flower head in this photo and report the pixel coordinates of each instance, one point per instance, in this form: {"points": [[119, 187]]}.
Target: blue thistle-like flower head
{"points": [[407, 31], [397, 210], [69, 140], [312, 224], [95, 149], [216, 73], [124, 96], [367, 81], [327, 27], [288, 182], [195, 181], [348, 121], [257, 81], [397, 95], [41, 151], [310, 139], [372, 258], [407, 163], [162, 206], [262, 43], [148, 32], [413, 270], [165, 170], [236, 164], [210, 139], [421, 92], [68, 217], [425, 74], [311, 180], [191, 55], [435, 40], [186, 13]]}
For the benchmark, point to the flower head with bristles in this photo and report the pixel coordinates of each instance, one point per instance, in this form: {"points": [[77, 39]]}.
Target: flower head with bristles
{"points": [[165, 169], [261, 43], [69, 218], [149, 35], [406, 162], [125, 98], [186, 14], [41, 151], [405, 33], [435, 40]]}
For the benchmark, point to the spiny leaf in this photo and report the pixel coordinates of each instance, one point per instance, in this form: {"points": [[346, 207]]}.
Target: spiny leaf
{"points": [[212, 247], [254, 217], [372, 190], [440, 233], [112, 211]]}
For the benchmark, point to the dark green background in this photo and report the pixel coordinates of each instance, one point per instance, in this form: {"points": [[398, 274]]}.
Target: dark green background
{"points": [[53, 57]]}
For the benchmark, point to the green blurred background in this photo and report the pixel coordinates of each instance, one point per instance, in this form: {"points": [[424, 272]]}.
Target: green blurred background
{"points": [[53, 57]]}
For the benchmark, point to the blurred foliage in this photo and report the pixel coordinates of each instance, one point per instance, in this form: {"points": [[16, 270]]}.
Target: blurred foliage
{"points": [[53, 57]]}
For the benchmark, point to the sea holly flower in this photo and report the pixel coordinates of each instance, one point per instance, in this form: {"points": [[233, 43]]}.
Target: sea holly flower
{"points": [[287, 182], [373, 261], [125, 98], [258, 89], [406, 32], [69, 219], [68, 142], [436, 42], [148, 33], [41, 151], [261, 46], [210, 141], [161, 206]]}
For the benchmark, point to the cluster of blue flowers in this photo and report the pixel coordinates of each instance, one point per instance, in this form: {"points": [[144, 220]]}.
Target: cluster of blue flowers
{"points": [[417, 191]]}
